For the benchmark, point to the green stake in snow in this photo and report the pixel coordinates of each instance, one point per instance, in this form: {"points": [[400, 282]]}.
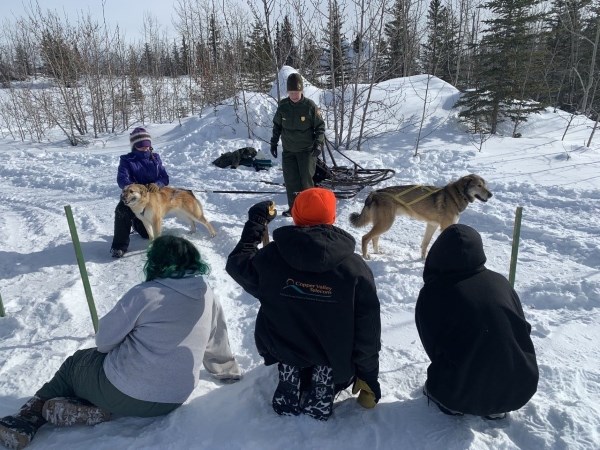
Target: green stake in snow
{"points": [[515, 246], [1, 308], [82, 270]]}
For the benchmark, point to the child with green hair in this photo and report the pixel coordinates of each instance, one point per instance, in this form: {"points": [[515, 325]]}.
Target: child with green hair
{"points": [[150, 348]]}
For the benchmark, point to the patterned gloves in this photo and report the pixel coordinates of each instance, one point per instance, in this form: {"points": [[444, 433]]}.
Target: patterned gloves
{"points": [[262, 212], [368, 390]]}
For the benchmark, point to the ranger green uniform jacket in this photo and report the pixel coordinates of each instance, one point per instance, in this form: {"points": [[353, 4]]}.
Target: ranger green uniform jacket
{"points": [[299, 125]]}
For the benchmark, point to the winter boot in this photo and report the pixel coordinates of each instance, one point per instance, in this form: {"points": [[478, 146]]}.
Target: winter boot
{"points": [[441, 407], [64, 412], [17, 431], [117, 252], [498, 416], [286, 400], [318, 401]]}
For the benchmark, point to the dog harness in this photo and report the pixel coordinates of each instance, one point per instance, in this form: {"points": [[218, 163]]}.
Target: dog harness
{"points": [[398, 197]]}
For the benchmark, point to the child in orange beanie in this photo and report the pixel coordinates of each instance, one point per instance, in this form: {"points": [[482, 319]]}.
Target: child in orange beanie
{"points": [[319, 311], [314, 206]]}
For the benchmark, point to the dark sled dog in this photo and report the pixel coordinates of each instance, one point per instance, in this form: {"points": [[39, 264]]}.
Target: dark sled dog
{"points": [[437, 206]]}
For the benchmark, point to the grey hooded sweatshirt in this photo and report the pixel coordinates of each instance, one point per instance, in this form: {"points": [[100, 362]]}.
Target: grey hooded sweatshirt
{"points": [[157, 336]]}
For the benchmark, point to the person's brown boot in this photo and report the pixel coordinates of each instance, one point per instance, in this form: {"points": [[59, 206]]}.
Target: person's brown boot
{"points": [[17, 431], [65, 412]]}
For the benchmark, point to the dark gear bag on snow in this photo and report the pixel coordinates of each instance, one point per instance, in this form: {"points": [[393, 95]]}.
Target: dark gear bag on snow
{"points": [[257, 163], [243, 156], [262, 164]]}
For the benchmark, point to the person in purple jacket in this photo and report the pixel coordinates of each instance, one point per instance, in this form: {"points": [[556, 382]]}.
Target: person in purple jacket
{"points": [[141, 166]]}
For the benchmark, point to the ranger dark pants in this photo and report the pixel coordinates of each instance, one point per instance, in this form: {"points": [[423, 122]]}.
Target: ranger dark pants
{"points": [[298, 171]]}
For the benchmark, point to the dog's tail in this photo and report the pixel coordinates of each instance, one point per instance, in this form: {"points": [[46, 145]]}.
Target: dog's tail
{"points": [[195, 198], [362, 219]]}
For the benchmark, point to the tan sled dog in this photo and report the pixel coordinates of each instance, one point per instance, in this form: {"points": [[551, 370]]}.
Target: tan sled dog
{"points": [[438, 206], [152, 207]]}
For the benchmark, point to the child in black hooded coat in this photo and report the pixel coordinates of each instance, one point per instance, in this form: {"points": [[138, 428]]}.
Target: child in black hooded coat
{"points": [[471, 323], [319, 316]]}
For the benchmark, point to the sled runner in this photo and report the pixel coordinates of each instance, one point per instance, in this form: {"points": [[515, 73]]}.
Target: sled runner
{"points": [[346, 181]]}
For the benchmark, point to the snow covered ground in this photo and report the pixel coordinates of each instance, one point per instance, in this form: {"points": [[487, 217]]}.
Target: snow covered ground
{"points": [[558, 278]]}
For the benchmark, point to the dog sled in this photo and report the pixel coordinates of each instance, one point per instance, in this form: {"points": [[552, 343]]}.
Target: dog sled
{"points": [[346, 181]]}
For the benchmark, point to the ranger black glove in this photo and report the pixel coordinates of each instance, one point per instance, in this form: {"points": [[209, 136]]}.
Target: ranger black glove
{"points": [[316, 150], [152, 187], [274, 150], [262, 212]]}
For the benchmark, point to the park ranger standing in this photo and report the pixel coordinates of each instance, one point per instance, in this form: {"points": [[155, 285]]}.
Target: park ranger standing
{"points": [[299, 122]]}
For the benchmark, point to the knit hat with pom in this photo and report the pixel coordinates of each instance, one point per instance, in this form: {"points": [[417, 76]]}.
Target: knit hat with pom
{"points": [[294, 82], [314, 206], [140, 137]]}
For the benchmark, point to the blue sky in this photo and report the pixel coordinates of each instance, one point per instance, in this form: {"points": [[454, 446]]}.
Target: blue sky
{"points": [[128, 14]]}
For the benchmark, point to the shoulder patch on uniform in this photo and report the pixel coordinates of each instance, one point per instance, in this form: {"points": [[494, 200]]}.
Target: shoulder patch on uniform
{"points": [[318, 113]]}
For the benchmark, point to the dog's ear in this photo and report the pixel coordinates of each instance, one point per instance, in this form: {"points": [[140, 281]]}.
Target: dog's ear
{"points": [[469, 179], [464, 184], [143, 188], [477, 180]]}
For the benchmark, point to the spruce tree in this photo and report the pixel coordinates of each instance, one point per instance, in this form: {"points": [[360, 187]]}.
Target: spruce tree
{"points": [[590, 67], [257, 59], [211, 74], [23, 62], [185, 57], [6, 72], [176, 61], [506, 56], [214, 40], [402, 46], [310, 58], [285, 48], [360, 49], [334, 60], [439, 53], [564, 53], [149, 60]]}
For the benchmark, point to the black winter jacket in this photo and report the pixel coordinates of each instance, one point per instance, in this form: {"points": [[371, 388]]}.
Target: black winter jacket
{"points": [[319, 304], [472, 326]]}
